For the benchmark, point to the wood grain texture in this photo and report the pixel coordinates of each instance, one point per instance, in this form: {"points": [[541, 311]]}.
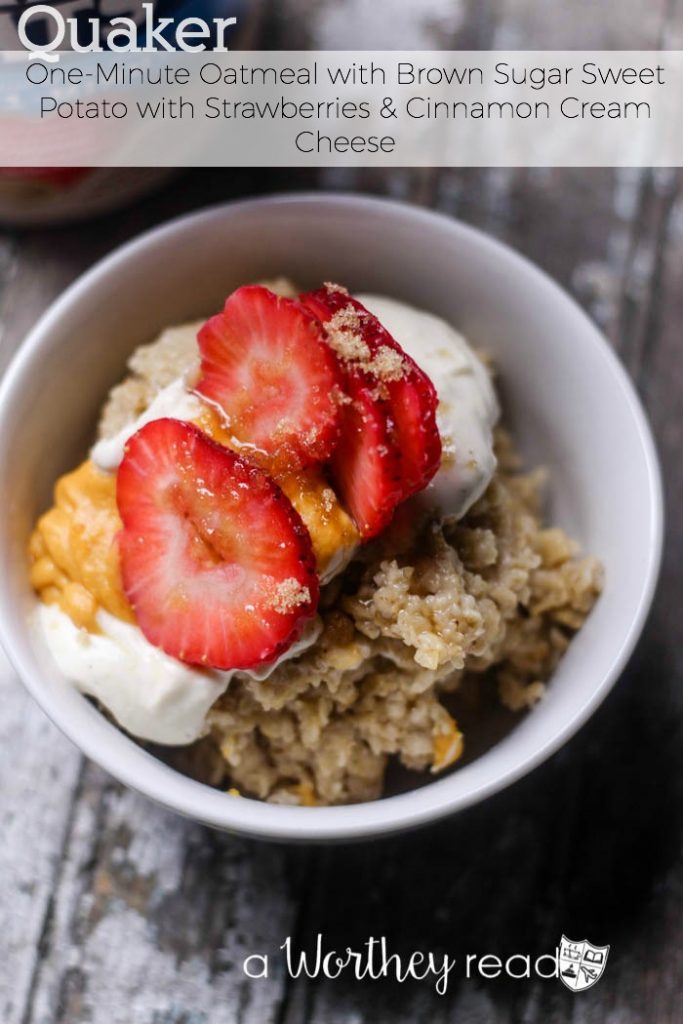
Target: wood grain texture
{"points": [[115, 912]]}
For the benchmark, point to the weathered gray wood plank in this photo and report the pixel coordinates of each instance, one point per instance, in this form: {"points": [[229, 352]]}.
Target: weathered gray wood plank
{"points": [[39, 769], [39, 772], [153, 918]]}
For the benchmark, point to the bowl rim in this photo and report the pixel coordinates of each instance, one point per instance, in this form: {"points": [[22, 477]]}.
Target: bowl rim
{"points": [[197, 801]]}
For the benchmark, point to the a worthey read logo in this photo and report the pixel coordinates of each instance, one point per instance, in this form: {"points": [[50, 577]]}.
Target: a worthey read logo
{"points": [[581, 964]]}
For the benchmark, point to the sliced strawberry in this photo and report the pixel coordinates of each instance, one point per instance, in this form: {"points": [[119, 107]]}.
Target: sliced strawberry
{"points": [[408, 390], [215, 561], [265, 363], [413, 407], [366, 465]]}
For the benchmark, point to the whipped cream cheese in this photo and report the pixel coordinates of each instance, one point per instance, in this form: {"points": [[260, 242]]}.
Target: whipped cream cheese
{"points": [[150, 694], [155, 697], [468, 408], [174, 401]]}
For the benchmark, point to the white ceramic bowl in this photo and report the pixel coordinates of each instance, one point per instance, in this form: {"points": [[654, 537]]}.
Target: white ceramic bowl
{"points": [[566, 396]]}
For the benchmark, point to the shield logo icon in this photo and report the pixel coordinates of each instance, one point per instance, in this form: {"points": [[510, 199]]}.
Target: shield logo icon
{"points": [[581, 963]]}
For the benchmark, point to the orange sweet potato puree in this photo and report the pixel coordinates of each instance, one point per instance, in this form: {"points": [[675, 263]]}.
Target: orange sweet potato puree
{"points": [[447, 746], [73, 552]]}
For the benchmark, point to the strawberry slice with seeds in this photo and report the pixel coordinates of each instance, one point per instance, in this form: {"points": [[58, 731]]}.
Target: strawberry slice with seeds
{"points": [[413, 407], [215, 561], [265, 363], [365, 346], [366, 465]]}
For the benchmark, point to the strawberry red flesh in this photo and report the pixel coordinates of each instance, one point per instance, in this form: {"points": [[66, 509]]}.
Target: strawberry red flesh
{"points": [[266, 365], [366, 465], [215, 561], [410, 394]]}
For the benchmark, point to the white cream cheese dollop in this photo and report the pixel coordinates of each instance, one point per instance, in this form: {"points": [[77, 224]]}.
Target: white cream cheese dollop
{"points": [[174, 401], [468, 408], [152, 695], [155, 697]]}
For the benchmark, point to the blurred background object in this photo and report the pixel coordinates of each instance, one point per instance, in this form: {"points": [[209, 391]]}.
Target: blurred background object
{"points": [[31, 196], [35, 196]]}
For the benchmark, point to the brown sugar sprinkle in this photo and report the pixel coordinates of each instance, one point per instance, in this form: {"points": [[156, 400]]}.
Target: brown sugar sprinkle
{"points": [[289, 594], [343, 334], [345, 337], [387, 364]]}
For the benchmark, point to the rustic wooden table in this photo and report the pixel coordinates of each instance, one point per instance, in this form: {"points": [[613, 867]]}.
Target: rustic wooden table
{"points": [[115, 912]]}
